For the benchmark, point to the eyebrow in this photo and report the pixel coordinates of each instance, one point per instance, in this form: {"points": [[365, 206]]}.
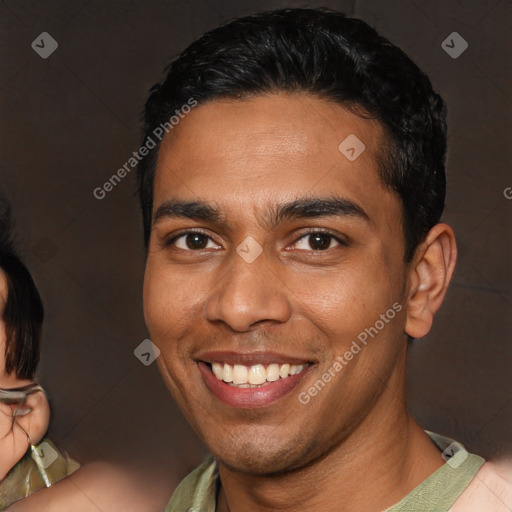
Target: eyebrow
{"points": [[303, 208]]}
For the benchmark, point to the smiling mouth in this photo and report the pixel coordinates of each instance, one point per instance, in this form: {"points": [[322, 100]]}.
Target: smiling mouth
{"points": [[255, 376]]}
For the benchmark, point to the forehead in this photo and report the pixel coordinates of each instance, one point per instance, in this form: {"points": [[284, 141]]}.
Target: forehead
{"points": [[268, 148]]}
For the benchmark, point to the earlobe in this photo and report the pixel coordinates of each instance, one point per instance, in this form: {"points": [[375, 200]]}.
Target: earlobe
{"points": [[36, 423], [22, 424], [430, 274]]}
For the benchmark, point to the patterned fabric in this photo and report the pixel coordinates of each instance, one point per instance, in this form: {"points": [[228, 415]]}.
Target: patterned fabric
{"points": [[41, 466]]}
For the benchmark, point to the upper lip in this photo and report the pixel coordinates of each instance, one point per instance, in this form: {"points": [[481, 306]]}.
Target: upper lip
{"points": [[249, 358]]}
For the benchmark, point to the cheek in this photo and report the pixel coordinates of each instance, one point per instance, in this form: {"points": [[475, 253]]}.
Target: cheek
{"points": [[162, 293], [158, 300], [169, 297], [347, 300], [165, 305]]}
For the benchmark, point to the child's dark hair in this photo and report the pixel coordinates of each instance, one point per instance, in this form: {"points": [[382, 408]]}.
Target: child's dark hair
{"points": [[23, 312]]}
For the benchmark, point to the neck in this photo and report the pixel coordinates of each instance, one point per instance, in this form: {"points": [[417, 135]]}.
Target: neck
{"points": [[386, 457]]}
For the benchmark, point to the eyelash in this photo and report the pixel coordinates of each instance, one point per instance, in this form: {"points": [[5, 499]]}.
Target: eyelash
{"points": [[309, 232]]}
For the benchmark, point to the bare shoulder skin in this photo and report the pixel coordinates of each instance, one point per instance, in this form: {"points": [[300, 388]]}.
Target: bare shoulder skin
{"points": [[98, 486]]}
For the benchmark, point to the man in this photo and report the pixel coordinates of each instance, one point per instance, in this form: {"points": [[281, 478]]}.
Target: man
{"points": [[292, 184]]}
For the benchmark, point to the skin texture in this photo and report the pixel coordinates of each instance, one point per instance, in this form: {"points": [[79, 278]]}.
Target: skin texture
{"points": [[13, 434], [245, 156], [99, 486], [95, 486]]}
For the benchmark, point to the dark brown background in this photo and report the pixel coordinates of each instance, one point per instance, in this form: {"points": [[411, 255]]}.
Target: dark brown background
{"points": [[70, 121]]}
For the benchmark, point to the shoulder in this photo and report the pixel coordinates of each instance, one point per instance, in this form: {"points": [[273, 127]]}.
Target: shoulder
{"points": [[99, 486], [490, 490]]}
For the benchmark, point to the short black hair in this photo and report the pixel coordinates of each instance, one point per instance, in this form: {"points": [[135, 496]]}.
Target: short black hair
{"points": [[326, 54], [23, 313]]}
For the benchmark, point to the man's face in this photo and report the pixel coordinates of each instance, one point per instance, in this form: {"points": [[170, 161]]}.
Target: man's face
{"points": [[303, 300]]}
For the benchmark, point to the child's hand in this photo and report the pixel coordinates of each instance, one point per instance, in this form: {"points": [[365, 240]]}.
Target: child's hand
{"points": [[18, 421]]}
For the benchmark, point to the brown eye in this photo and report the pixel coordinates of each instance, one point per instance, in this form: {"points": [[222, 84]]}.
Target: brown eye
{"points": [[196, 241], [318, 241], [191, 241]]}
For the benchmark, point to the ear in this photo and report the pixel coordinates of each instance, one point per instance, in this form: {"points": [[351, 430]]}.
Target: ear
{"points": [[16, 422], [36, 422], [429, 276]]}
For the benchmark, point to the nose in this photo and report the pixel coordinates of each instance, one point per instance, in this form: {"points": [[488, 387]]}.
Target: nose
{"points": [[249, 293]]}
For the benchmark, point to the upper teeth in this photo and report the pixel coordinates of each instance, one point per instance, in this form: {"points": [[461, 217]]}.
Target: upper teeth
{"points": [[257, 374]]}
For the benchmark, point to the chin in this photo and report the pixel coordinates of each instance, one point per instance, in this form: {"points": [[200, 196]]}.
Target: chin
{"points": [[251, 457], [265, 466]]}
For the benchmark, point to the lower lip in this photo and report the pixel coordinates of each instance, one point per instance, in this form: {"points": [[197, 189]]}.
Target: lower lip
{"points": [[249, 398]]}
